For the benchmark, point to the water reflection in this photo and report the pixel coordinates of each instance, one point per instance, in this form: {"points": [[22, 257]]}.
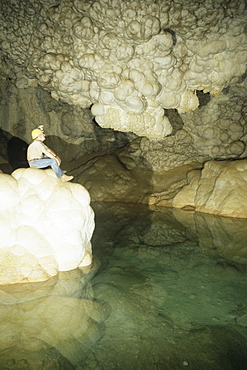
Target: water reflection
{"points": [[217, 236], [50, 325], [169, 293], [176, 282]]}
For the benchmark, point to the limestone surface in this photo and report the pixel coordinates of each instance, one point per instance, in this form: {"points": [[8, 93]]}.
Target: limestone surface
{"points": [[220, 189], [45, 226], [128, 61]]}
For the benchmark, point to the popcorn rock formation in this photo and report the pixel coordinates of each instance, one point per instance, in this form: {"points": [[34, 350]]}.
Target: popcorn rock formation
{"points": [[45, 226], [128, 61]]}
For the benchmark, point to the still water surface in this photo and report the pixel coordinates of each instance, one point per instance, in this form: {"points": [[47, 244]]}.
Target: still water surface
{"points": [[167, 290]]}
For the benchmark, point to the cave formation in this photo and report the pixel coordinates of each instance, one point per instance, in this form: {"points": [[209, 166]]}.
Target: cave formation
{"points": [[145, 102], [45, 225], [137, 97]]}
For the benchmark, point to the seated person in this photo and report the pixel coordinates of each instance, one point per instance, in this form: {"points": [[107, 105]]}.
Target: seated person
{"points": [[40, 156]]}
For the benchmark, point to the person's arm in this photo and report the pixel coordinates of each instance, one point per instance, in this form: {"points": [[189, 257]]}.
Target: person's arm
{"points": [[51, 154]]}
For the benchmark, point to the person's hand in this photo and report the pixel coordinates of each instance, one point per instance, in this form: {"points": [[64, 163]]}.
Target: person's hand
{"points": [[58, 160]]}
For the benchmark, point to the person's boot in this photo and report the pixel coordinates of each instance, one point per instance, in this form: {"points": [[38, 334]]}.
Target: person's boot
{"points": [[66, 178]]}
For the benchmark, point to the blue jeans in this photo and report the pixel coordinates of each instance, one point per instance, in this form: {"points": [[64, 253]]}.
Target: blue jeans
{"points": [[47, 162]]}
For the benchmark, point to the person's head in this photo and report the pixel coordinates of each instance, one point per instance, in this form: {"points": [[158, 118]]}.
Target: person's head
{"points": [[38, 134]]}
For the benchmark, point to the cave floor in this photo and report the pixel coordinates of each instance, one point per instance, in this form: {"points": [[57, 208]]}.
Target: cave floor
{"points": [[156, 297]]}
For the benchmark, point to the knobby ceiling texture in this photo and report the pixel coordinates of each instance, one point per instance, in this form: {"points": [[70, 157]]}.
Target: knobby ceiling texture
{"points": [[132, 61]]}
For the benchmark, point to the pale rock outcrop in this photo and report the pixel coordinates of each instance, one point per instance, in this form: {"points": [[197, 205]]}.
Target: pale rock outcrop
{"points": [[163, 155], [220, 188], [46, 226], [127, 60], [217, 130]]}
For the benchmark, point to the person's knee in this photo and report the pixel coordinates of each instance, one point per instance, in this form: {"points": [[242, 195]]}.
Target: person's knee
{"points": [[53, 161]]}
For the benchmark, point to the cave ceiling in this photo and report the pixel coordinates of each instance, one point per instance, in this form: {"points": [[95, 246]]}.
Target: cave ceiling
{"points": [[128, 61]]}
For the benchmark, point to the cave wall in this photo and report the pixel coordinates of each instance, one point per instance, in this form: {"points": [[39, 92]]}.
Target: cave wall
{"points": [[217, 130], [70, 130], [132, 95]]}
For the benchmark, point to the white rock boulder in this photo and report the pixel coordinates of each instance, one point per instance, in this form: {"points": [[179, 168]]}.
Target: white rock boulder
{"points": [[45, 226], [220, 189]]}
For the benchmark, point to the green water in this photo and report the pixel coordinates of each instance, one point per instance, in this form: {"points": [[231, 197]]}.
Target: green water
{"points": [[167, 290]]}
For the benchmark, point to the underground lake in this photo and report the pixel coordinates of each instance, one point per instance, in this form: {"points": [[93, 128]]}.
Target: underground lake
{"points": [[167, 290]]}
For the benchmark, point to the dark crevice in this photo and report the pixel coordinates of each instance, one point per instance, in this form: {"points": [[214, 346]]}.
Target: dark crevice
{"points": [[175, 120], [174, 37], [204, 98]]}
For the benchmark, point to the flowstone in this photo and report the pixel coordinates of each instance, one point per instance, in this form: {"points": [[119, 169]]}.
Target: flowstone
{"points": [[219, 189]]}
